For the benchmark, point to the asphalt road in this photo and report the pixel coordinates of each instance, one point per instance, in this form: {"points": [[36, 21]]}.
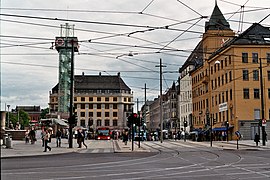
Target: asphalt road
{"points": [[172, 160]]}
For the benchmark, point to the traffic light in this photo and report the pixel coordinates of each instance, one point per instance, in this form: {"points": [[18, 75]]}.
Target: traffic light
{"points": [[185, 123], [214, 121], [207, 119], [227, 124], [73, 120], [133, 118], [260, 122]]}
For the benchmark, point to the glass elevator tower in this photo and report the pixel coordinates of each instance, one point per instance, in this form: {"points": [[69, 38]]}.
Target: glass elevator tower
{"points": [[63, 45]]}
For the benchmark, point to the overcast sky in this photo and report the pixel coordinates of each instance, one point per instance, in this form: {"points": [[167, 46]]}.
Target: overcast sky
{"points": [[108, 30]]}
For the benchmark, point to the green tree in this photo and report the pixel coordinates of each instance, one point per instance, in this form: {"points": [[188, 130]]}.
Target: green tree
{"points": [[23, 118], [44, 112]]}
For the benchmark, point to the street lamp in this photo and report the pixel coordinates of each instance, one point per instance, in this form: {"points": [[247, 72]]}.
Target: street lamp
{"points": [[262, 104], [8, 116]]}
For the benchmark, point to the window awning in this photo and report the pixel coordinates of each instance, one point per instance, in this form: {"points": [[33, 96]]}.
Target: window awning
{"points": [[221, 128]]}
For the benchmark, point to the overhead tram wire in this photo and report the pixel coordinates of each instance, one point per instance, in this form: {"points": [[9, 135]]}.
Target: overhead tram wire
{"points": [[178, 36], [97, 22], [146, 7], [190, 8]]}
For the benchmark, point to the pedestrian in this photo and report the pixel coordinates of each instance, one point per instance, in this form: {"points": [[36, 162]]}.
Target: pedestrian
{"points": [[83, 138], [32, 135], [26, 136], [257, 139], [58, 138], [46, 140], [79, 138], [125, 137], [42, 134]]}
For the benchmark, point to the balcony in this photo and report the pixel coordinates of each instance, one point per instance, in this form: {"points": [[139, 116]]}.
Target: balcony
{"points": [[205, 79]]}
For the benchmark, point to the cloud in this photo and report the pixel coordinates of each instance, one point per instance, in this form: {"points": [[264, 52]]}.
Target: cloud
{"points": [[29, 68]]}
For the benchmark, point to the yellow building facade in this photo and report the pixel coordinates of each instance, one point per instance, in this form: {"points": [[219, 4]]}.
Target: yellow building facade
{"points": [[227, 86]]}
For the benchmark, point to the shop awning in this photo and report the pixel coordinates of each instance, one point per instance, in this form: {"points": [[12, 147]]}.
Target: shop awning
{"points": [[221, 128], [60, 122]]}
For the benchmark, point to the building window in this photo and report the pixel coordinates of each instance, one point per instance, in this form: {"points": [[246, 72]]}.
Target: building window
{"points": [[256, 94], [90, 106], [115, 99], [268, 75], [107, 122], [255, 75], [230, 76], [255, 57], [244, 57], [98, 114], [107, 106], [268, 58], [83, 123], [98, 106], [245, 75], [82, 106], [221, 64], [231, 94], [114, 122], [114, 106], [230, 59], [83, 99], [246, 93], [269, 96], [99, 99], [75, 98], [99, 122], [91, 99], [91, 114], [125, 99], [114, 114], [82, 114], [107, 98], [107, 114], [90, 122]]}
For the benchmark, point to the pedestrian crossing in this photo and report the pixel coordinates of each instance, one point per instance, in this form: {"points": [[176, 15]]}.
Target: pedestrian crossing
{"points": [[97, 150]]}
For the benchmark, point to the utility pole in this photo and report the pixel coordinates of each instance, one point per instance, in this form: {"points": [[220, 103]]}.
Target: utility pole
{"points": [[160, 100], [70, 139], [144, 110], [262, 103], [139, 124]]}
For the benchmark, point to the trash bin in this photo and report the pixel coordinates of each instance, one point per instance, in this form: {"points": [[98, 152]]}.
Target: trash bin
{"points": [[9, 141], [5, 139]]}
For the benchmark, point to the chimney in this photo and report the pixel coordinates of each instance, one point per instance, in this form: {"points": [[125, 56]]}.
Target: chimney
{"points": [[118, 74], [99, 74]]}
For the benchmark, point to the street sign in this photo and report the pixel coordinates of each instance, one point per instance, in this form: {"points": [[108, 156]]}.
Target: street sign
{"points": [[223, 107], [264, 122]]}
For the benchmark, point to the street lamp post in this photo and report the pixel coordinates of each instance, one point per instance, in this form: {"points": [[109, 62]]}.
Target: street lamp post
{"points": [[8, 116], [262, 104]]}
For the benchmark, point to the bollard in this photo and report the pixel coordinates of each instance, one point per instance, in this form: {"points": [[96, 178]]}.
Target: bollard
{"points": [[5, 139], [9, 142]]}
